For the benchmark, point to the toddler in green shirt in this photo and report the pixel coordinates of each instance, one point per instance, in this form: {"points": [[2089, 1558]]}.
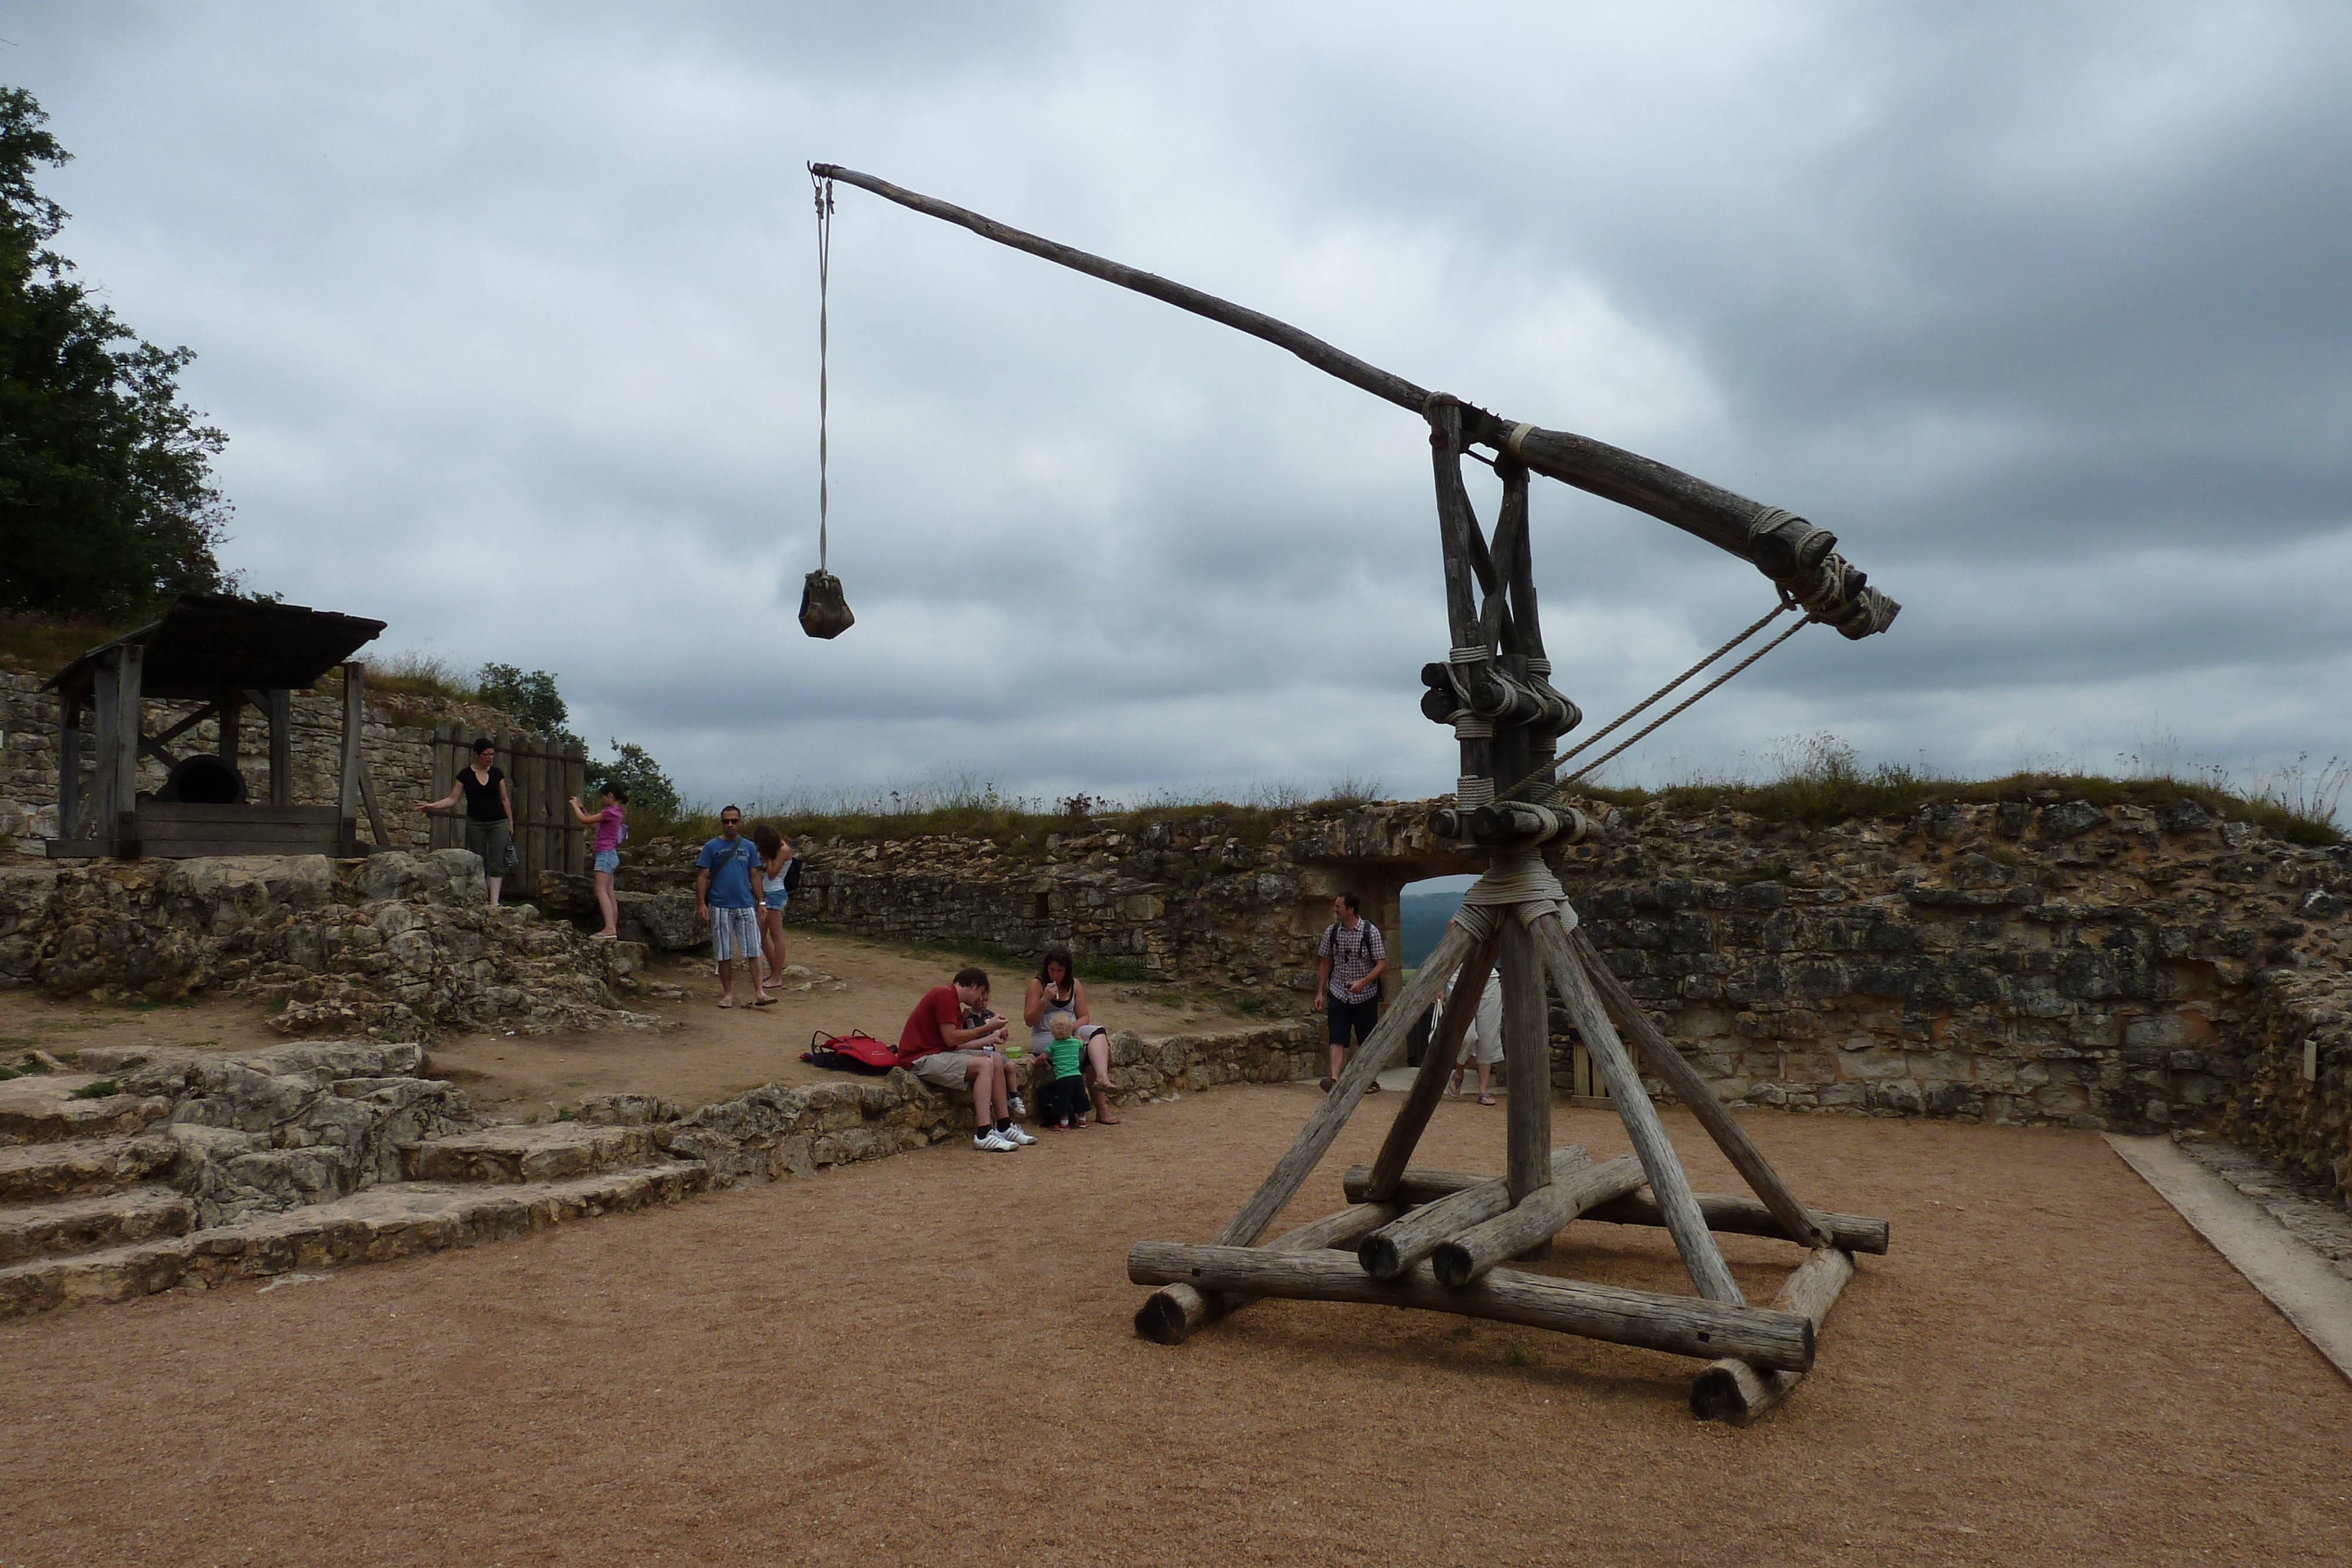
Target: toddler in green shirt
{"points": [[1065, 1100]]}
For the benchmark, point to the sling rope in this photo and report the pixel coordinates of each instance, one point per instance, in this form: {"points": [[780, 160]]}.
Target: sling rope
{"points": [[1686, 702], [824, 275], [1557, 763]]}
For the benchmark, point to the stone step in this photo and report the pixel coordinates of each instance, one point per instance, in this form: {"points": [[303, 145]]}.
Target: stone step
{"points": [[398, 1220], [40, 1173], [528, 1152], [42, 1109], [90, 1224]]}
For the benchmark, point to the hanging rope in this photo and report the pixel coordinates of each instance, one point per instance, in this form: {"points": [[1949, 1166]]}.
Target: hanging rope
{"points": [[824, 611], [824, 346], [1557, 763]]}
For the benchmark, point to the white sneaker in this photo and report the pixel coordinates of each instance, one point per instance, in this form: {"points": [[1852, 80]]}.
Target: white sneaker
{"points": [[1018, 1134], [991, 1142], [1018, 1106]]}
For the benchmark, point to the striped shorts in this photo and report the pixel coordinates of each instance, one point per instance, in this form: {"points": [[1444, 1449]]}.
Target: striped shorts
{"points": [[734, 932]]}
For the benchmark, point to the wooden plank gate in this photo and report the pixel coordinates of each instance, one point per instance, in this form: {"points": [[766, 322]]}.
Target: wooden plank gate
{"points": [[542, 775]]}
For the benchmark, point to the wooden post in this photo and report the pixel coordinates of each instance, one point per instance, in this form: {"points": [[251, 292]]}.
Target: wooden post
{"points": [[1693, 1090], [1530, 1222], [575, 782], [225, 746], [114, 810], [1170, 1313], [1397, 1246], [347, 782], [1526, 1051], [69, 808], [1332, 1114], [1684, 1221], [1731, 1214], [280, 710], [1436, 1067], [1730, 1389], [444, 775], [1679, 1325]]}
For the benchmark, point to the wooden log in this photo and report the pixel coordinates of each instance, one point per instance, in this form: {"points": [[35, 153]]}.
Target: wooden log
{"points": [[1415, 1183], [1405, 1242], [1692, 1090], [1679, 1325], [1732, 1389], [1728, 1212], [1436, 1067], [1722, 519], [1323, 1125], [1656, 1152], [1531, 1222], [1170, 1314], [1526, 1051]]}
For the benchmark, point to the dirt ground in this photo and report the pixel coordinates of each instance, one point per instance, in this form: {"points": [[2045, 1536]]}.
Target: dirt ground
{"points": [[714, 1053], [928, 1359]]}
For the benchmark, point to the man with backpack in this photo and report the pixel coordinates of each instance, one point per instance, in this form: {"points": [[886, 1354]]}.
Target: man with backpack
{"points": [[728, 885], [1350, 961]]}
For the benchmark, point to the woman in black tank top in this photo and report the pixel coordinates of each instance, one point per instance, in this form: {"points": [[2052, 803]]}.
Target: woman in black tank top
{"points": [[489, 812]]}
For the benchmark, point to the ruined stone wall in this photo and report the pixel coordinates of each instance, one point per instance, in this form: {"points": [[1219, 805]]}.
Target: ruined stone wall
{"points": [[397, 945], [396, 739]]}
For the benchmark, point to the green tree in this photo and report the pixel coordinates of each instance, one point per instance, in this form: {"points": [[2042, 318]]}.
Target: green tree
{"points": [[106, 496], [531, 698], [649, 787]]}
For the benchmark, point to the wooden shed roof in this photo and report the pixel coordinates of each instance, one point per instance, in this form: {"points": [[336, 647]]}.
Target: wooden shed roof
{"points": [[209, 643]]}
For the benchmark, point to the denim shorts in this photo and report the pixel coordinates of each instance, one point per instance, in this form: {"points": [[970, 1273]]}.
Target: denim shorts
{"points": [[607, 861], [776, 897]]}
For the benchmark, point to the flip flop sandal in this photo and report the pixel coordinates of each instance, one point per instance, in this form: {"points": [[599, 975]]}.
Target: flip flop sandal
{"points": [[764, 1003]]}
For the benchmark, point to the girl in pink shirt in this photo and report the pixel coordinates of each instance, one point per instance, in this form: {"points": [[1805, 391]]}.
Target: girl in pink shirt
{"points": [[612, 826]]}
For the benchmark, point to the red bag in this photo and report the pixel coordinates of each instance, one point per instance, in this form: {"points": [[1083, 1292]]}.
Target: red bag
{"points": [[856, 1051]]}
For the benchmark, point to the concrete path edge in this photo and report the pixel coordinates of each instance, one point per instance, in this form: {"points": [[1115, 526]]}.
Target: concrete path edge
{"points": [[2300, 1284]]}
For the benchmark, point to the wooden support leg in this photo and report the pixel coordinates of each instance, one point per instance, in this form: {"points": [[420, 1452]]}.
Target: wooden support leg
{"points": [[1170, 1313], [1692, 1090], [232, 708], [280, 709], [1282, 1186], [1679, 1325], [1683, 1222], [1732, 1390], [1530, 1222], [1412, 1117], [1397, 1246], [347, 776], [69, 800], [1526, 1051]]}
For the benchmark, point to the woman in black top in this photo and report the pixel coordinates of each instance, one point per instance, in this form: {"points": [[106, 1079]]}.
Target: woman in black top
{"points": [[489, 812]]}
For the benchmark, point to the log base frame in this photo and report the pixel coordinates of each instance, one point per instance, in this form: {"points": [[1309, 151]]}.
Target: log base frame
{"points": [[1437, 1241]]}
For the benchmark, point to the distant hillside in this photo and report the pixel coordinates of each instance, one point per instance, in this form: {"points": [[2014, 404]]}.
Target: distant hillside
{"points": [[1426, 911]]}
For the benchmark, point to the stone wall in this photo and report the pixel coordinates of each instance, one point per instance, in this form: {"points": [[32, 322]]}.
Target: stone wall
{"points": [[396, 739], [395, 945]]}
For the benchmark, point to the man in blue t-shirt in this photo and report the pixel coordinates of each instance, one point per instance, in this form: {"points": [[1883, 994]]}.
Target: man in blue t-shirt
{"points": [[726, 889]]}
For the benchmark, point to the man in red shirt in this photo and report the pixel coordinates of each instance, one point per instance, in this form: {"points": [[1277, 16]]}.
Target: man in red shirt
{"points": [[934, 1045]]}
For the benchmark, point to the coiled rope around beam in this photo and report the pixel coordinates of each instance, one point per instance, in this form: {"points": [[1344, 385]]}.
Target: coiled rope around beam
{"points": [[1557, 763], [1518, 881]]}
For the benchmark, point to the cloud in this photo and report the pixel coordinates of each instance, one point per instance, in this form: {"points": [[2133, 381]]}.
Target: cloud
{"points": [[510, 317]]}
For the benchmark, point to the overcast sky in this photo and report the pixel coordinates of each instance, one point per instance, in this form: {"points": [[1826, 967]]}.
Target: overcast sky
{"points": [[509, 313]]}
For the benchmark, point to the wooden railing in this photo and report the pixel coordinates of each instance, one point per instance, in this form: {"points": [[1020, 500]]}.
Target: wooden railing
{"points": [[542, 776]]}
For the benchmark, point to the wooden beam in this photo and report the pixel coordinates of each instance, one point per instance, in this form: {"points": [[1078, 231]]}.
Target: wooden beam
{"points": [[375, 808], [1526, 1051], [1731, 1389], [116, 701], [1406, 1240], [1332, 1114], [70, 797], [1436, 1067], [1730, 1213], [231, 707], [1693, 1090], [1683, 1222], [1170, 1313], [1679, 1325], [1530, 1222]]}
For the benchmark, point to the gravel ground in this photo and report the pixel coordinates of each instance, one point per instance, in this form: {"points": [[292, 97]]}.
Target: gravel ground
{"points": [[928, 1359]]}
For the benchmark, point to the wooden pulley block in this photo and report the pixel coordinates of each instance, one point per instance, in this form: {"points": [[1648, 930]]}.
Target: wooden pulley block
{"points": [[824, 611]]}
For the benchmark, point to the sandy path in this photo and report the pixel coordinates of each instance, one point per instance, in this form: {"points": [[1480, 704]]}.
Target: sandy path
{"points": [[928, 1359], [713, 1054]]}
